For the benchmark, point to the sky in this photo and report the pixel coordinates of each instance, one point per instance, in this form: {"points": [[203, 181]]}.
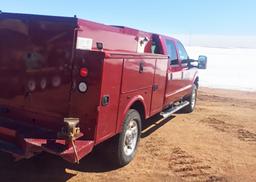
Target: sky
{"points": [[207, 18]]}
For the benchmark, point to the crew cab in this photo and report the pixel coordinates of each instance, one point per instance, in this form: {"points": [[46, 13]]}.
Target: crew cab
{"points": [[69, 84]]}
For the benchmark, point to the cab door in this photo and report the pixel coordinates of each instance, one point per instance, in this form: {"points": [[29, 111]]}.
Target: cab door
{"points": [[174, 74], [158, 88], [187, 71]]}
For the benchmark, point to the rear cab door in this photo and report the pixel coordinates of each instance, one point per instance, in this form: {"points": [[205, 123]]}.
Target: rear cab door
{"points": [[158, 88], [160, 74]]}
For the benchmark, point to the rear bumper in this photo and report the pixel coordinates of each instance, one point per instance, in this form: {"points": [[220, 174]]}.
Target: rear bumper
{"points": [[25, 141]]}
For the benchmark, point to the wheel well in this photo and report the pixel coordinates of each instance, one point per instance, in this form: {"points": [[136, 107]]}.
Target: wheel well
{"points": [[197, 82], [140, 108]]}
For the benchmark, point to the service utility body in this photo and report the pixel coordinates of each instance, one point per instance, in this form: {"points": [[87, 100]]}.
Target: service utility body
{"points": [[69, 84]]}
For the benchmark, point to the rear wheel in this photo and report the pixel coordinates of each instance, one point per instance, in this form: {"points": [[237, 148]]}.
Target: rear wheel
{"points": [[192, 101], [125, 144]]}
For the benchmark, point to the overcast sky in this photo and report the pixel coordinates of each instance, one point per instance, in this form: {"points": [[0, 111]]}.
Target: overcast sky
{"points": [[203, 22]]}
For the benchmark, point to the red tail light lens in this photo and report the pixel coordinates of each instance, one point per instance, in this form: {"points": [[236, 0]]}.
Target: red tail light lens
{"points": [[83, 72]]}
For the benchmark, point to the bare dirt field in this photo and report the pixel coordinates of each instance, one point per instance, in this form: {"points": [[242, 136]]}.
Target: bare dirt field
{"points": [[215, 143]]}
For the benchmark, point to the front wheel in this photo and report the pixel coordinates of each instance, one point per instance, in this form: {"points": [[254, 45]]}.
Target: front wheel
{"points": [[125, 145]]}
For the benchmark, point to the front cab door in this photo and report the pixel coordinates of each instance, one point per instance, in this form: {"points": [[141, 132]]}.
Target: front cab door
{"points": [[174, 78], [188, 72]]}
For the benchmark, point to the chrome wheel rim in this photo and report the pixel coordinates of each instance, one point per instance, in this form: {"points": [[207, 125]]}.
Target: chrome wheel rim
{"points": [[193, 98], [130, 138]]}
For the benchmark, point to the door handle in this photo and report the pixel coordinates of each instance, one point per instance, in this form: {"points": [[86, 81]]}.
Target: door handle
{"points": [[155, 87], [141, 69]]}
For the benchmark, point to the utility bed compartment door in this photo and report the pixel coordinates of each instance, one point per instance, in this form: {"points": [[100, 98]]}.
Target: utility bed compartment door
{"points": [[35, 67], [137, 74]]}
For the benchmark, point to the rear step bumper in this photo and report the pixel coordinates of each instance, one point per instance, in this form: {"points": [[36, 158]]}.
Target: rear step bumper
{"points": [[58, 147], [23, 144]]}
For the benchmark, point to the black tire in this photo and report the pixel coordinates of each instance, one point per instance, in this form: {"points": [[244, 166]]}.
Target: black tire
{"points": [[117, 152], [192, 101]]}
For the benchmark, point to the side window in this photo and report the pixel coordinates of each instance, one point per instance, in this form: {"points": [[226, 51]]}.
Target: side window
{"points": [[156, 47], [172, 52], [182, 52]]}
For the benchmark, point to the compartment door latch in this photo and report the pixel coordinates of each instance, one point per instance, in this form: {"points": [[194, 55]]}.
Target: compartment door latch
{"points": [[105, 100]]}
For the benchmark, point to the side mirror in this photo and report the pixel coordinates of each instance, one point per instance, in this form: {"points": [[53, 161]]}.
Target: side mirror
{"points": [[202, 62]]}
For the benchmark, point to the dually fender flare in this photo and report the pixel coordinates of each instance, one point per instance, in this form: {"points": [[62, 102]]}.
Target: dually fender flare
{"points": [[123, 113]]}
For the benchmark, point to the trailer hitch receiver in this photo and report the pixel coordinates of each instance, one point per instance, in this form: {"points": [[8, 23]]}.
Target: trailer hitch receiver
{"points": [[70, 132]]}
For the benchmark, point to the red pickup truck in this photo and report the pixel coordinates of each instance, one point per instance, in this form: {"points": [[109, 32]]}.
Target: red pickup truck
{"points": [[69, 84]]}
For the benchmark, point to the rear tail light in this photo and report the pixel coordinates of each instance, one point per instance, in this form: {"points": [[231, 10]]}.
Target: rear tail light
{"points": [[83, 72]]}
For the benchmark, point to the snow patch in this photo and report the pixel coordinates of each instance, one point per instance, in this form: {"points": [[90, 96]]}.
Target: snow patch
{"points": [[228, 68]]}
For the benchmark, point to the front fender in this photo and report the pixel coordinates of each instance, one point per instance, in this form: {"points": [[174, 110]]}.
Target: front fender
{"points": [[195, 77]]}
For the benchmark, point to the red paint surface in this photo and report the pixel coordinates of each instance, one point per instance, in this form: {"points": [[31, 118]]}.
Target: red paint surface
{"points": [[45, 57]]}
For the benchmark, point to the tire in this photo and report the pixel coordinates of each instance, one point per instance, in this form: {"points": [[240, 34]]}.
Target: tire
{"points": [[124, 146], [192, 101]]}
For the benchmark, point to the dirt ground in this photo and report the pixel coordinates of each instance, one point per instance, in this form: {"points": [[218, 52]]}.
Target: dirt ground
{"points": [[215, 143]]}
